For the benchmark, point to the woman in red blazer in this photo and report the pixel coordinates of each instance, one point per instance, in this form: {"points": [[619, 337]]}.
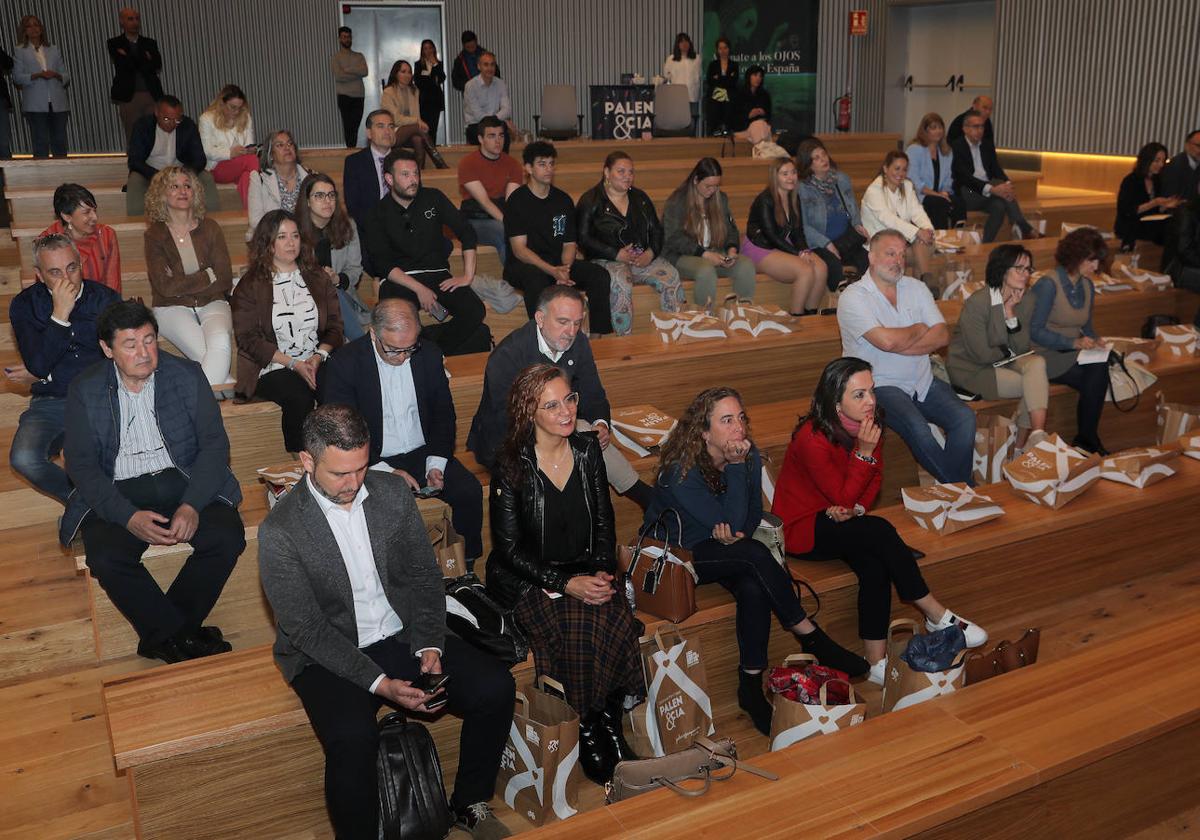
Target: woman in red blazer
{"points": [[831, 474]]}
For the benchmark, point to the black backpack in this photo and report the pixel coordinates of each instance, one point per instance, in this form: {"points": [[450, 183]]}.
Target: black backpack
{"points": [[412, 796]]}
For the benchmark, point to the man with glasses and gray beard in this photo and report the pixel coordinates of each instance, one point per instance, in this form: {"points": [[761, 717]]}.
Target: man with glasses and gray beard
{"points": [[397, 382]]}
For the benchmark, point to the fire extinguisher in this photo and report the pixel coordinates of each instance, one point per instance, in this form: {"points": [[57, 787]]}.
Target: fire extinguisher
{"points": [[842, 104]]}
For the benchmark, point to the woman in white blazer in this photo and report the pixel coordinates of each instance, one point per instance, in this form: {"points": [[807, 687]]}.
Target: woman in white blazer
{"points": [[41, 75], [891, 202], [276, 184]]}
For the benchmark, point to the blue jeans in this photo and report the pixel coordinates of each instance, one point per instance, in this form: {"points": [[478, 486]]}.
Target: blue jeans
{"points": [[39, 438], [48, 132], [353, 312], [910, 418], [491, 232]]}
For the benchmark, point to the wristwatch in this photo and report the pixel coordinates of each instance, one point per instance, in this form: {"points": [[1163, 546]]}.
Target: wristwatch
{"points": [[324, 354]]}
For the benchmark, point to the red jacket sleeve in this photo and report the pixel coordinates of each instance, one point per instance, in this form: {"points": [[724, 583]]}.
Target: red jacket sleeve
{"points": [[841, 479]]}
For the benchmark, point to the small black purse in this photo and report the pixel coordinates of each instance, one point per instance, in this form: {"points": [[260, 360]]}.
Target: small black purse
{"points": [[412, 795]]}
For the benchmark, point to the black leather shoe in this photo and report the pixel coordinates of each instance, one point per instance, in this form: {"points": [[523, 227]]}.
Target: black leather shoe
{"points": [[612, 731], [199, 643], [168, 650], [595, 752]]}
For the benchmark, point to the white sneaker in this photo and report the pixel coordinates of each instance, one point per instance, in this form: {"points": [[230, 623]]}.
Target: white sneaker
{"points": [[877, 672], [976, 635]]}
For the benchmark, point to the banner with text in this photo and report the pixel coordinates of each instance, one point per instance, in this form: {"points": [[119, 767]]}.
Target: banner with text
{"points": [[782, 39], [621, 112]]}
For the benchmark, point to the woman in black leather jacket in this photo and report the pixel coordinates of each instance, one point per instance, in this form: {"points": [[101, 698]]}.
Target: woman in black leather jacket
{"points": [[619, 229], [554, 563], [775, 239]]}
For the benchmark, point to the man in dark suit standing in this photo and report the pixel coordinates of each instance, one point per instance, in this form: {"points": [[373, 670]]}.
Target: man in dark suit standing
{"points": [[161, 139], [360, 613], [398, 383], [137, 62], [982, 184]]}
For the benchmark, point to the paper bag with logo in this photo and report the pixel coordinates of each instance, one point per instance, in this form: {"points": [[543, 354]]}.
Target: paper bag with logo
{"points": [[904, 687], [741, 315], [279, 480], [1175, 419], [1139, 467], [1146, 281], [962, 285], [643, 427], [1189, 445], [1133, 349], [1050, 472], [792, 721], [686, 326], [677, 706], [1179, 338], [448, 545], [946, 508], [955, 240], [539, 774], [995, 441]]}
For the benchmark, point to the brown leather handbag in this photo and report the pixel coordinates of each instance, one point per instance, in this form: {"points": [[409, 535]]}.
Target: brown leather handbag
{"points": [[659, 576], [1004, 657], [705, 762]]}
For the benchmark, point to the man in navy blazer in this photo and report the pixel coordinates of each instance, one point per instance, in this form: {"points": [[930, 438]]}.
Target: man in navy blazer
{"points": [[165, 138], [398, 383]]}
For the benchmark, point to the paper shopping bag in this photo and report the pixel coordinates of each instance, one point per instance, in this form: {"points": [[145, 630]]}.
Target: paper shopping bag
{"points": [[449, 547], [686, 326], [539, 769], [813, 713], [947, 508], [955, 240], [1189, 445], [1139, 467], [1050, 472], [677, 706], [962, 285], [742, 315], [279, 480], [1138, 350], [995, 442], [1179, 338], [644, 426], [1146, 281], [1175, 419], [904, 687]]}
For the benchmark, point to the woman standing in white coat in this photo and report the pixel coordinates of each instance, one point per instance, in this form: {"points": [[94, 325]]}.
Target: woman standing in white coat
{"points": [[682, 67], [891, 202], [41, 75], [276, 185]]}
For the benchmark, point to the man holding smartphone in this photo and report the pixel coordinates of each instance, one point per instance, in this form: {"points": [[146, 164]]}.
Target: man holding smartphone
{"points": [[360, 612]]}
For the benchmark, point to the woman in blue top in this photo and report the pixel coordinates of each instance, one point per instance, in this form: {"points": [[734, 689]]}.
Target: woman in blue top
{"points": [[41, 75], [832, 225], [929, 158], [711, 474]]}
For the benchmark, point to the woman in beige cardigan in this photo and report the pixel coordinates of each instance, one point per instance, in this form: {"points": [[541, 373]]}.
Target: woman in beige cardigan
{"points": [[994, 325], [189, 270], [403, 101]]}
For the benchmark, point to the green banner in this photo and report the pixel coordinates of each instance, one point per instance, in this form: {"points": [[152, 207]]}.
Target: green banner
{"points": [[781, 37]]}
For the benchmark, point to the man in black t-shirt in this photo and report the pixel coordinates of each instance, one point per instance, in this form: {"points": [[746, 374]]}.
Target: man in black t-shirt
{"points": [[539, 223]]}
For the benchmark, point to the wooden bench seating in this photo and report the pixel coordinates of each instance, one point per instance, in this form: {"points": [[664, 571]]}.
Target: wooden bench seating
{"points": [[234, 711]]}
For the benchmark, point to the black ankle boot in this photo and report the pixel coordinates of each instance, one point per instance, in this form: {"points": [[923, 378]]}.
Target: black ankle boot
{"points": [[595, 753], [436, 157], [612, 731], [640, 494], [753, 702], [831, 654]]}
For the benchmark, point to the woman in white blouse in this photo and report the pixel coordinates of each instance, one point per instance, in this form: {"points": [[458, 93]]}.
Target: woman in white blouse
{"points": [[41, 76], [891, 202], [276, 185], [287, 321], [227, 132], [682, 67]]}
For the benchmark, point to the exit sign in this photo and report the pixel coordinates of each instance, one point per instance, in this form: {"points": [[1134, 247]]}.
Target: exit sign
{"points": [[858, 22]]}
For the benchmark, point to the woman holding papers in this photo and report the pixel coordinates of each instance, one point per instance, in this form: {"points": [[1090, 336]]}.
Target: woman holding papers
{"points": [[1063, 334], [990, 352]]}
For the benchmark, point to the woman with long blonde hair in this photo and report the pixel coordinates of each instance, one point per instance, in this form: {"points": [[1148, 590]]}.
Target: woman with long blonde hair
{"points": [[227, 132]]}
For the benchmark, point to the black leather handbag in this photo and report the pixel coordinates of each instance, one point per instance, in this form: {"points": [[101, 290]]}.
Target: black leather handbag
{"points": [[412, 796], [493, 630]]}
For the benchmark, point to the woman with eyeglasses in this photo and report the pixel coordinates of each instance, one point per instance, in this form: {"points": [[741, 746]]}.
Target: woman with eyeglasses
{"points": [[276, 184], [227, 132], [994, 325], [327, 227], [1061, 326], [287, 321], [554, 563]]}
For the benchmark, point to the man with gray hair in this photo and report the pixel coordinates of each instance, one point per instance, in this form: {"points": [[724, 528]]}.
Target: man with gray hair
{"points": [[398, 383], [54, 321]]}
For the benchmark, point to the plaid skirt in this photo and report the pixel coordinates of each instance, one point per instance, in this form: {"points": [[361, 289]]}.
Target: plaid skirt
{"points": [[592, 650]]}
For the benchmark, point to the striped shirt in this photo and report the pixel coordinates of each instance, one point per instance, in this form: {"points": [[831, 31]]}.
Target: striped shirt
{"points": [[142, 449]]}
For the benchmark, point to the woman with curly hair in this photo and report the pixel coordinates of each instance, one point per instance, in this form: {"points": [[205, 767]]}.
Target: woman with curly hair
{"points": [[287, 320], [831, 475], [1061, 326], [554, 563], [326, 225], [189, 270], [227, 132], [711, 475]]}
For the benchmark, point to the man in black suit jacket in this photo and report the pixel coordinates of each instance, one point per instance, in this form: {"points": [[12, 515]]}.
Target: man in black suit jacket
{"points": [[137, 63], [362, 172], [161, 139], [982, 184], [412, 421], [360, 615], [982, 104], [1181, 177]]}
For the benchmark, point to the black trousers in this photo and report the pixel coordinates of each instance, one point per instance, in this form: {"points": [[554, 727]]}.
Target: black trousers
{"points": [[464, 330], [472, 132], [291, 393], [878, 557], [462, 491], [997, 208], [857, 259], [1091, 381], [591, 278], [114, 557], [480, 691], [351, 109], [942, 212]]}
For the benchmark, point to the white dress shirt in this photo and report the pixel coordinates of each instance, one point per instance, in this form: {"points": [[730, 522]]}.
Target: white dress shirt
{"points": [[980, 170], [401, 417]]}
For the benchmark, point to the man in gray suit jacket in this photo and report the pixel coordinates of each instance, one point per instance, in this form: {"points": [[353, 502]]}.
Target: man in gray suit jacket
{"points": [[360, 615]]}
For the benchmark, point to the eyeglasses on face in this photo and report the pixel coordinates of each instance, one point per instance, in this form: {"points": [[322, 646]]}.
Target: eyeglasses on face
{"points": [[1023, 269], [555, 406], [393, 352], [325, 196]]}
